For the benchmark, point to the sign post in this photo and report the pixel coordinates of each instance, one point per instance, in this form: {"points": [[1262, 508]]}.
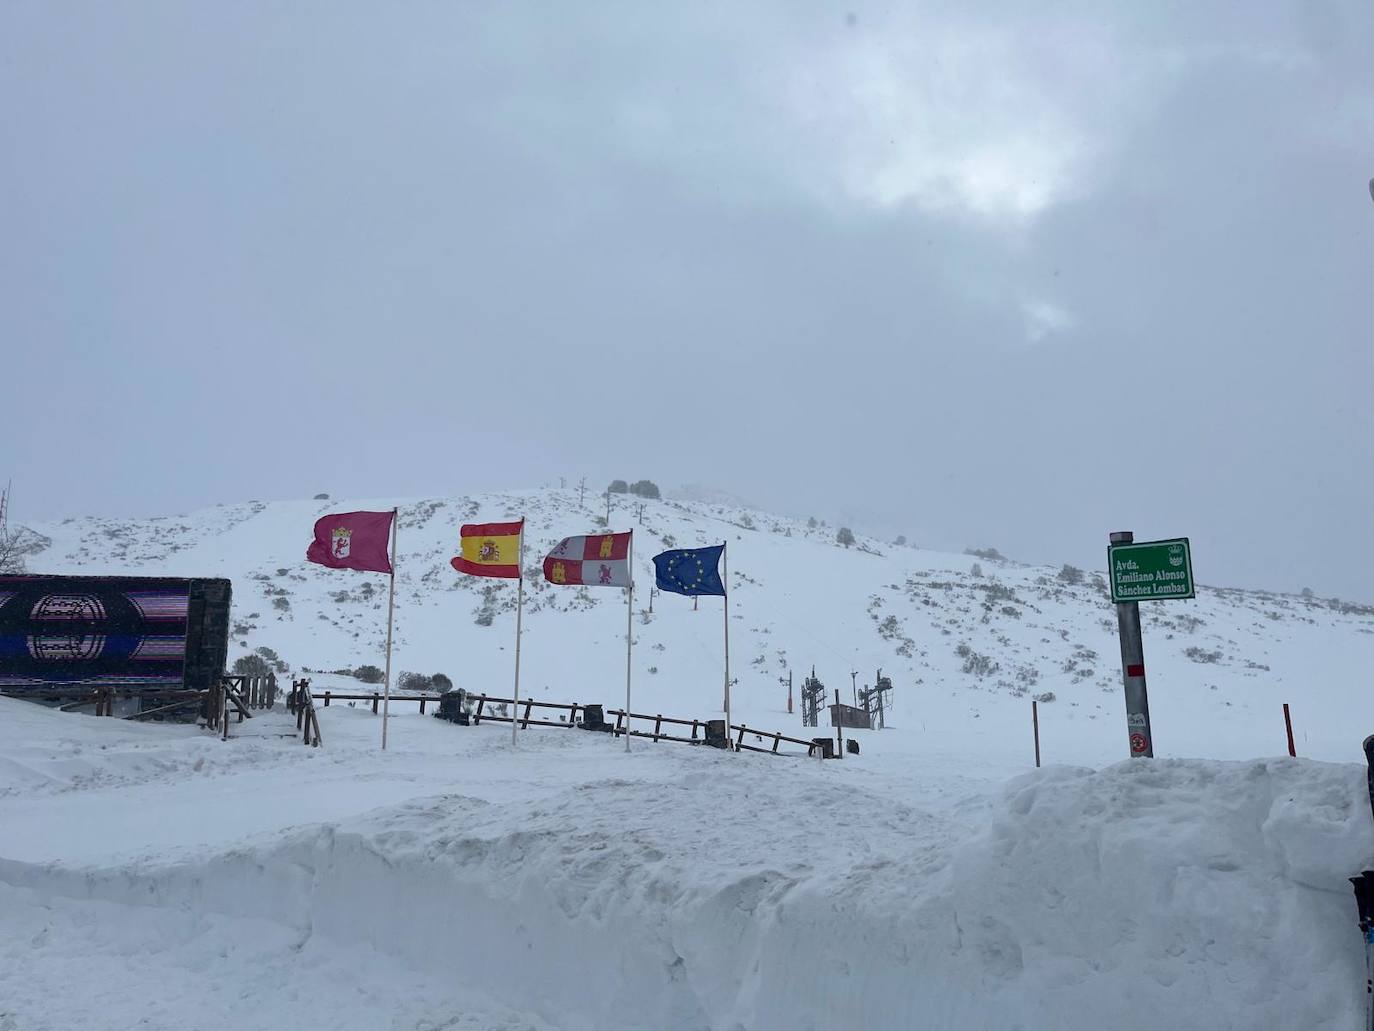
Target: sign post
{"points": [[1148, 571]]}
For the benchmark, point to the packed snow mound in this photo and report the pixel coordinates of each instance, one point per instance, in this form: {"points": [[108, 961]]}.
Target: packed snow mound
{"points": [[747, 895]]}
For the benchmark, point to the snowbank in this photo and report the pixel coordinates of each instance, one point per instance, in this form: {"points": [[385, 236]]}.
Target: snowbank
{"points": [[752, 895]]}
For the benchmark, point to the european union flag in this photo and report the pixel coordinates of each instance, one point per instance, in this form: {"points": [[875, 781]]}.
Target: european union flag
{"points": [[690, 571]]}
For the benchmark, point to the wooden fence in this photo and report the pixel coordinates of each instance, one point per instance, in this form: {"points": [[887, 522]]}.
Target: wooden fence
{"points": [[302, 703], [223, 699], [528, 719], [697, 736], [375, 698], [257, 692], [657, 734]]}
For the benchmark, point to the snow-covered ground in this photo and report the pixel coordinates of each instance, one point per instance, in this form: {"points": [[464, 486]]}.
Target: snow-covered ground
{"points": [[157, 877]]}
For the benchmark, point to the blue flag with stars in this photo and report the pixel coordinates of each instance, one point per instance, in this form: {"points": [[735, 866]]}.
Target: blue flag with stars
{"points": [[690, 571]]}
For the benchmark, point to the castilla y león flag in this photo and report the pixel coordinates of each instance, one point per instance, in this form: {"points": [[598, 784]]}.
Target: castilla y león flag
{"points": [[490, 549], [353, 540], [600, 560]]}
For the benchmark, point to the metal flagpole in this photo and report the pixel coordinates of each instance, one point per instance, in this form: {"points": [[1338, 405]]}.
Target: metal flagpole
{"points": [[390, 614], [725, 560], [519, 606], [629, 630]]}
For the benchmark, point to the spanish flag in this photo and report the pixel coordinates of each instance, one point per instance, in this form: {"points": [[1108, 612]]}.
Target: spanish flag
{"points": [[491, 549]]}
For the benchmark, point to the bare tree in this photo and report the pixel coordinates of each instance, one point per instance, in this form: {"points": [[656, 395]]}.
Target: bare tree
{"points": [[15, 544]]}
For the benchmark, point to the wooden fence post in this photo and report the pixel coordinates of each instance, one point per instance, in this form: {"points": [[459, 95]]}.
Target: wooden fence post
{"points": [[1035, 728], [1288, 723]]}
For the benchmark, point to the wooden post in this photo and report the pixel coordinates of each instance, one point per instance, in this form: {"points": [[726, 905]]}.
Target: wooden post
{"points": [[529, 705], [694, 730], [1035, 728], [422, 706], [1288, 723], [376, 698], [326, 699], [777, 740], [477, 716], [839, 727], [658, 725], [741, 737], [618, 717]]}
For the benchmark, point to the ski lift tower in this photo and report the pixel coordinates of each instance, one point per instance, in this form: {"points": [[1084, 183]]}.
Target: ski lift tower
{"points": [[813, 700], [871, 698]]}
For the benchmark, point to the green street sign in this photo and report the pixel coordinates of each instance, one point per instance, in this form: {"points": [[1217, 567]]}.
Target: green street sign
{"points": [[1151, 570]]}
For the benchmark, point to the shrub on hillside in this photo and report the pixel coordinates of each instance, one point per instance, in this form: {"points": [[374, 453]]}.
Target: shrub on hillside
{"points": [[991, 554], [1071, 575], [618, 487], [845, 536], [251, 666], [408, 681], [645, 489], [369, 674]]}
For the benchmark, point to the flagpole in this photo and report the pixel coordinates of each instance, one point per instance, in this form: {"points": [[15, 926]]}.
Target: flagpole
{"points": [[725, 560], [629, 630], [390, 619], [519, 606]]}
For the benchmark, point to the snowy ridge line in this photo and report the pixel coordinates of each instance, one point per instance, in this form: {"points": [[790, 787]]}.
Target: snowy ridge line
{"points": [[1183, 892]]}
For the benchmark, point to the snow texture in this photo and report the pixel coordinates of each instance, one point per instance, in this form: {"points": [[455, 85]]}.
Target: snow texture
{"points": [[156, 877]]}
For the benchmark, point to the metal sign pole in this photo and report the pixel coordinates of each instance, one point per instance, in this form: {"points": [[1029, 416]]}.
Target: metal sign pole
{"points": [[1138, 732]]}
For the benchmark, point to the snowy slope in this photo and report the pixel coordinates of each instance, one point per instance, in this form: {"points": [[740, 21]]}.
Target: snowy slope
{"points": [[964, 651]]}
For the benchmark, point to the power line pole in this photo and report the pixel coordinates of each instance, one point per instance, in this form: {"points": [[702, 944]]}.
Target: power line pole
{"points": [[581, 492], [608, 508], [854, 684]]}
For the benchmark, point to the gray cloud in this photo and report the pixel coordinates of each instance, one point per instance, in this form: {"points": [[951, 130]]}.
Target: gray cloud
{"points": [[1014, 278]]}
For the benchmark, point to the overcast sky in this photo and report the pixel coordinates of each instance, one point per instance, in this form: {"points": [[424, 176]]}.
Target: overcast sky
{"points": [[1014, 276]]}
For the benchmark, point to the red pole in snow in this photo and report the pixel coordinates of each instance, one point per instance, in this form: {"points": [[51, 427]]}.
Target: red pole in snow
{"points": [[1288, 722], [1035, 727]]}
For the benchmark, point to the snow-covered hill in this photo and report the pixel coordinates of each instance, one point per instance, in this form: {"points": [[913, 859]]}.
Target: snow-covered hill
{"points": [[155, 876], [967, 640]]}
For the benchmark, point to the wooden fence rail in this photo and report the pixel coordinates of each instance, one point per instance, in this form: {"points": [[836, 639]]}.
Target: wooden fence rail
{"points": [[302, 703], [659, 720], [527, 720], [375, 698]]}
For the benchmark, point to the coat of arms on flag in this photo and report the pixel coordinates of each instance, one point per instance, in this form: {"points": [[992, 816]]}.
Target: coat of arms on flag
{"points": [[599, 560], [490, 549], [353, 540]]}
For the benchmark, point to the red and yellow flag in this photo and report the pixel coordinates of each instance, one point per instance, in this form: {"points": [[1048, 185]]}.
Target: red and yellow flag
{"points": [[490, 549]]}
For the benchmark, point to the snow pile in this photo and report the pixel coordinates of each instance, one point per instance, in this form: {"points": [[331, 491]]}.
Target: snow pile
{"points": [[569, 885]]}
